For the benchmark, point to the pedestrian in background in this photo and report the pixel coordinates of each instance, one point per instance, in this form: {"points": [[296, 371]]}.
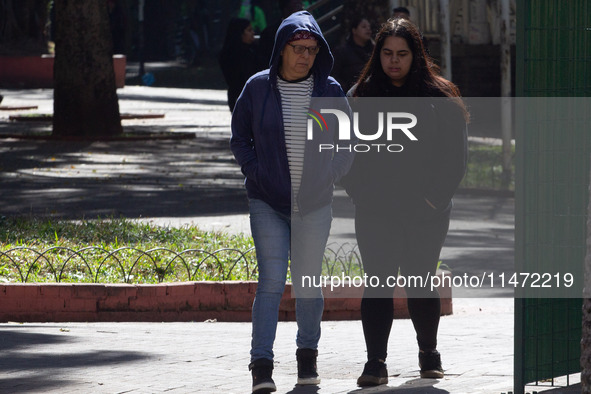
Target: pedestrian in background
{"points": [[351, 57], [404, 13], [249, 9], [401, 12], [267, 40], [403, 200], [238, 58], [289, 184]]}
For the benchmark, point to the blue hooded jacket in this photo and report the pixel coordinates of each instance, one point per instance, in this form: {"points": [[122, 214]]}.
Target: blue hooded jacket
{"points": [[258, 139]]}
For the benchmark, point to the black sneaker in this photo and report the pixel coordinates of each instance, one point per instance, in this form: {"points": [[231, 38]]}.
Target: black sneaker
{"points": [[430, 363], [262, 370], [307, 373], [374, 374]]}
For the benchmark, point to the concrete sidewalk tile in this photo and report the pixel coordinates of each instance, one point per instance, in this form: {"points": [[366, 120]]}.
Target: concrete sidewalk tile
{"points": [[213, 357]]}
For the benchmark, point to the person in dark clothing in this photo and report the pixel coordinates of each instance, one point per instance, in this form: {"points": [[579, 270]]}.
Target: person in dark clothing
{"points": [[350, 58], [401, 12], [238, 58], [117, 24], [267, 40], [404, 13], [403, 200], [200, 30], [289, 184], [251, 10]]}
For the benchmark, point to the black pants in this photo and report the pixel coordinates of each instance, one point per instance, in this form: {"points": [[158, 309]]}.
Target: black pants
{"points": [[390, 243]]}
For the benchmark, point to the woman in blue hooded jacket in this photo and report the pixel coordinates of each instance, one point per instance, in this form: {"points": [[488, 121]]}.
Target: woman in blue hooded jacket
{"points": [[289, 183]]}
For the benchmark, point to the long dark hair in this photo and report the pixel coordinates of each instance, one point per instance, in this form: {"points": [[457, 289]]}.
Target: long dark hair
{"points": [[233, 39], [423, 78]]}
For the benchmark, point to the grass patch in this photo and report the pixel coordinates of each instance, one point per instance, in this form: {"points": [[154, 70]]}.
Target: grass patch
{"points": [[128, 251], [485, 168], [119, 250]]}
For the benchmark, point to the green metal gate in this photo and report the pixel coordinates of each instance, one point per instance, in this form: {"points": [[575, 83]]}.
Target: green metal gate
{"points": [[552, 182]]}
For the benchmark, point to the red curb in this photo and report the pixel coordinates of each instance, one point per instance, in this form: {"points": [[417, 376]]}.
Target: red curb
{"points": [[36, 72], [127, 137], [49, 117], [229, 301], [15, 108]]}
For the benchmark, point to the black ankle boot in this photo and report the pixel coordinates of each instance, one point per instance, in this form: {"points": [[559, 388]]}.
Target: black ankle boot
{"points": [[307, 373], [374, 373], [430, 363], [262, 372]]}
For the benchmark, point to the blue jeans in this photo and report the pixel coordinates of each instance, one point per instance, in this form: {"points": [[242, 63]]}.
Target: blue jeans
{"points": [[275, 236]]}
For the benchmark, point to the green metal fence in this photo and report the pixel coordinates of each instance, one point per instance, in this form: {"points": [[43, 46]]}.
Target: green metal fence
{"points": [[552, 181]]}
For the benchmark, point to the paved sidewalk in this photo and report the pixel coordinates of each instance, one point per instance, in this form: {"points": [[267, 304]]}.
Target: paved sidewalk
{"points": [[195, 181], [211, 357]]}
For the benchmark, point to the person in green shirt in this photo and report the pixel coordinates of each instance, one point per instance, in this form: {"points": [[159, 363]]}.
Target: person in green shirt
{"points": [[255, 14]]}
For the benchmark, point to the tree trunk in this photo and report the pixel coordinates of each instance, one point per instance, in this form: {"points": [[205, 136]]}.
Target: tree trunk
{"points": [[85, 96], [586, 332]]}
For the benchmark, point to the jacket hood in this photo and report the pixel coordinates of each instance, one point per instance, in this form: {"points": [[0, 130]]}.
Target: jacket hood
{"points": [[302, 21]]}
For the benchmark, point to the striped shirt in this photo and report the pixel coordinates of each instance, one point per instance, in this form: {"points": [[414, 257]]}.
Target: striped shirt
{"points": [[295, 100]]}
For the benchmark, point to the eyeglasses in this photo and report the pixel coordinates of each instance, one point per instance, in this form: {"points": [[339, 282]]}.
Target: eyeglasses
{"points": [[299, 49]]}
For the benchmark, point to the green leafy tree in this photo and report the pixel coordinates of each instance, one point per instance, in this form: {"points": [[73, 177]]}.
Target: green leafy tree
{"points": [[85, 96]]}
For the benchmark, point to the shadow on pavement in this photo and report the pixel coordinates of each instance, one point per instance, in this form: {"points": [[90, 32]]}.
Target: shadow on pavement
{"points": [[304, 390], [576, 388], [37, 383], [412, 386], [11, 340], [46, 361], [41, 365], [152, 178], [168, 99]]}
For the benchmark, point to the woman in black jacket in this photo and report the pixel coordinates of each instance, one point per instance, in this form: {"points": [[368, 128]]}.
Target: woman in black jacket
{"points": [[350, 58], [403, 197], [238, 58]]}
